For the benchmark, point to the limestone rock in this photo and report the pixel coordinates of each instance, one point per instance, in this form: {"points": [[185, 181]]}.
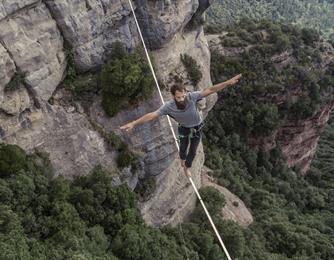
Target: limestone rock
{"points": [[7, 69], [15, 102], [34, 43], [174, 199], [198, 17], [73, 146], [161, 20], [12, 6], [299, 139], [234, 208], [154, 139], [90, 27]]}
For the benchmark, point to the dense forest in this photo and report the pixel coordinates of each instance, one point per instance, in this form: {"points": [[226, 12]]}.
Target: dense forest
{"points": [[42, 217], [316, 14], [293, 213]]}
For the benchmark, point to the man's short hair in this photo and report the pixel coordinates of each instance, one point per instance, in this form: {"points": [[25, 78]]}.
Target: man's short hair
{"points": [[177, 87]]}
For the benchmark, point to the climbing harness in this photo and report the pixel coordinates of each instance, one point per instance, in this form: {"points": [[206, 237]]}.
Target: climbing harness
{"points": [[176, 142], [194, 132]]}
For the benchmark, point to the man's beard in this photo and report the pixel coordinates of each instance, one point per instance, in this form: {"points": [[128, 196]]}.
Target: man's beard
{"points": [[181, 104]]}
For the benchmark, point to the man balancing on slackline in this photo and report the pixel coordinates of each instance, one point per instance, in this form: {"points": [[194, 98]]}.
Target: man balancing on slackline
{"points": [[184, 110]]}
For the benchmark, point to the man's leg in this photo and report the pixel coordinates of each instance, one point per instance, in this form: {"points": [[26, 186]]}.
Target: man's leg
{"points": [[184, 143], [194, 142]]}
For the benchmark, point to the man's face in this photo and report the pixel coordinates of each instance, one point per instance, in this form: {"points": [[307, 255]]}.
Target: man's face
{"points": [[180, 99]]}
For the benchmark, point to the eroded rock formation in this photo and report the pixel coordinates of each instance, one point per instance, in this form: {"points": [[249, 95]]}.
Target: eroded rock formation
{"points": [[35, 38], [298, 138]]}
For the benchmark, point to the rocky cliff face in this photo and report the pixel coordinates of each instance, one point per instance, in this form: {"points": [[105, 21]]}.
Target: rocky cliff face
{"points": [[34, 39], [298, 138]]}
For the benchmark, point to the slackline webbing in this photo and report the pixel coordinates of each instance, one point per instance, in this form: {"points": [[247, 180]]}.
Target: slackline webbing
{"points": [[171, 127]]}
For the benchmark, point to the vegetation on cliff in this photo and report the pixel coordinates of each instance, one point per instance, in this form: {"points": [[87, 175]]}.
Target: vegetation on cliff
{"points": [[192, 68], [292, 213], [316, 14], [43, 217], [125, 80], [252, 108]]}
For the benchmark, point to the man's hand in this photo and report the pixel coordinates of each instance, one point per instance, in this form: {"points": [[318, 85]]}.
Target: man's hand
{"points": [[233, 80], [220, 86], [127, 127]]}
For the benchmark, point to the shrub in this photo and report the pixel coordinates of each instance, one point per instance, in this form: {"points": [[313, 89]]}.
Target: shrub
{"points": [[71, 70], [310, 36], [125, 80], [192, 68], [12, 160], [16, 82]]}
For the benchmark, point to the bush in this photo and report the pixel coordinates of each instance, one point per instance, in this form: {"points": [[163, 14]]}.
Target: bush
{"points": [[71, 70], [192, 68], [125, 80], [310, 36], [12, 160], [16, 82], [125, 157]]}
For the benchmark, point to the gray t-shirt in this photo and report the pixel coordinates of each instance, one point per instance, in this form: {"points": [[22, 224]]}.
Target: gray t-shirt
{"points": [[188, 117]]}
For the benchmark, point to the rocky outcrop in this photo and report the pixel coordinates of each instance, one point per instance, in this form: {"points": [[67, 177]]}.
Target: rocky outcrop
{"points": [[15, 102], [7, 68], [162, 20], [90, 27], [297, 138], [234, 209], [35, 45], [34, 37], [8, 8]]}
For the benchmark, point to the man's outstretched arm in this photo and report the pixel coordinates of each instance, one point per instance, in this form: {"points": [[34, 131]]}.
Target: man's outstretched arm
{"points": [[220, 86], [145, 118]]}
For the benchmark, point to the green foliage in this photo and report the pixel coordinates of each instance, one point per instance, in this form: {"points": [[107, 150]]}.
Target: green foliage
{"points": [[214, 200], [125, 157], [125, 80], [13, 160], [253, 103], [71, 70], [13, 243], [315, 14], [87, 218], [192, 68], [16, 82], [83, 87], [290, 211], [145, 187], [310, 36], [138, 242]]}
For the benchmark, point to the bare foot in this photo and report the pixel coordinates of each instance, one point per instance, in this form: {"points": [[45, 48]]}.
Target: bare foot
{"points": [[187, 172], [183, 163]]}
